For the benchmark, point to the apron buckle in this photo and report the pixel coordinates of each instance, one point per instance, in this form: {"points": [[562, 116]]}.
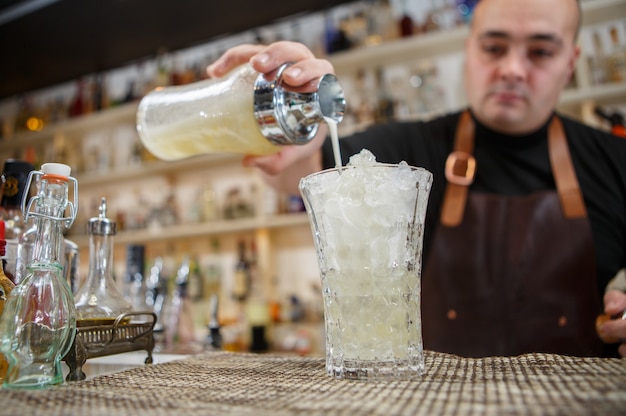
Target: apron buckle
{"points": [[460, 168]]}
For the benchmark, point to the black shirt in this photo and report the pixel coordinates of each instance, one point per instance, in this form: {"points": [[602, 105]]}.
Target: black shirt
{"points": [[512, 165]]}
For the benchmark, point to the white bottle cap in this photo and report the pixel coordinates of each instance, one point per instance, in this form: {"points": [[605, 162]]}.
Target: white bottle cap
{"points": [[56, 169]]}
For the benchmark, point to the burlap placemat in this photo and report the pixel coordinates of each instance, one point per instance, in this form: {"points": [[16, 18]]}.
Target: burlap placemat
{"points": [[247, 384]]}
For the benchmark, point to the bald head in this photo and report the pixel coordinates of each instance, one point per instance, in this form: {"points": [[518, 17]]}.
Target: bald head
{"points": [[519, 56], [570, 9]]}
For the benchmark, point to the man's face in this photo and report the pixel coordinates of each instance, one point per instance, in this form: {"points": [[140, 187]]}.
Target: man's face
{"points": [[519, 56]]}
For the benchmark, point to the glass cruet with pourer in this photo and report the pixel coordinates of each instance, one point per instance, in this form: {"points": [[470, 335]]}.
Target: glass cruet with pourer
{"points": [[99, 301], [38, 325]]}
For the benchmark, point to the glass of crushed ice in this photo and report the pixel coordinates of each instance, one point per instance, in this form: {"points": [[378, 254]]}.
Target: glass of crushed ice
{"points": [[367, 220]]}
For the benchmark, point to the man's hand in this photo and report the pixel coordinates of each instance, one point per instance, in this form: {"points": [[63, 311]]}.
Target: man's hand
{"points": [[284, 169], [614, 329]]}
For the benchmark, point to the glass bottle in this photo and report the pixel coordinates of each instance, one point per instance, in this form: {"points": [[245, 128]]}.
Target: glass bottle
{"points": [[617, 57], [6, 286], [38, 324], [134, 282], [241, 282], [156, 292], [14, 177], [179, 331], [257, 308], [99, 301], [240, 113]]}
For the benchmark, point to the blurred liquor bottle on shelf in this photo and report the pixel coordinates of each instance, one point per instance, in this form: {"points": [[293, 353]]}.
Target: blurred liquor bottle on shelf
{"points": [[163, 60], [241, 282], [99, 301], [6, 286], [428, 95], [597, 60], [381, 25], [257, 307], [156, 292], [214, 339], [214, 272], [616, 61], [134, 282], [25, 110], [195, 285], [405, 23], [14, 182], [179, 329], [335, 37], [80, 103], [444, 15], [204, 207], [385, 102], [99, 96]]}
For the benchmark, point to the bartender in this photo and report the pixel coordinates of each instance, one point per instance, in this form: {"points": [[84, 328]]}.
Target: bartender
{"points": [[526, 223]]}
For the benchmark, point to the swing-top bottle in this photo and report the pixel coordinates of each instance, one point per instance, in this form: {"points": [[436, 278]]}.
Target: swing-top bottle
{"points": [[38, 324]]}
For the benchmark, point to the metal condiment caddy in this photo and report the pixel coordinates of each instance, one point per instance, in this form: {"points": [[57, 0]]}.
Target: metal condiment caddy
{"points": [[133, 331], [106, 321]]}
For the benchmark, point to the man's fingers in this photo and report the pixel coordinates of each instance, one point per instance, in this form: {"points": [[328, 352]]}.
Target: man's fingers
{"points": [[614, 302], [232, 58], [271, 165]]}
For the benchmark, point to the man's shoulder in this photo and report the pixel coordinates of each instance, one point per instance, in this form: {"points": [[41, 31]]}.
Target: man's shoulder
{"points": [[438, 127], [577, 129]]}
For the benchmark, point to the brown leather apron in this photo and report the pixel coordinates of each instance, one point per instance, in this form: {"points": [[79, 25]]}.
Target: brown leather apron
{"points": [[507, 275]]}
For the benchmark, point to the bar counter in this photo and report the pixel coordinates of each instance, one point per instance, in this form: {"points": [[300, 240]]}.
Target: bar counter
{"points": [[224, 383]]}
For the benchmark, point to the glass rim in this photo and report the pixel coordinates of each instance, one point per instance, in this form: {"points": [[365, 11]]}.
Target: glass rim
{"points": [[374, 165]]}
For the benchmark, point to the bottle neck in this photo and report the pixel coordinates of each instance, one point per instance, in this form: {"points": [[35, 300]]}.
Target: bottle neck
{"points": [[50, 207], [100, 258]]}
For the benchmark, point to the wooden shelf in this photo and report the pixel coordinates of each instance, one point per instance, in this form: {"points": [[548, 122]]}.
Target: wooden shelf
{"points": [[145, 170], [182, 231], [604, 94], [399, 51], [73, 127]]}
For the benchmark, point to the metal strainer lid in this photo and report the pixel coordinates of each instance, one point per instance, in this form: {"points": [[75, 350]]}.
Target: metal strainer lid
{"points": [[101, 225]]}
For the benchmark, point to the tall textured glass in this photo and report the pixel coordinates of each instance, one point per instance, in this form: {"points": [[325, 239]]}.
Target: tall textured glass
{"points": [[367, 223], [39, 321]]}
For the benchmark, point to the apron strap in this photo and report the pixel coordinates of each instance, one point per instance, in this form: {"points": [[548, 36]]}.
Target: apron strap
{"points": [[460, 170], [570, 195]]}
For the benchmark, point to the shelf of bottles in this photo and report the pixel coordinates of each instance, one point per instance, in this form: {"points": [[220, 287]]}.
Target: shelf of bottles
{"points": [[68, 137]]}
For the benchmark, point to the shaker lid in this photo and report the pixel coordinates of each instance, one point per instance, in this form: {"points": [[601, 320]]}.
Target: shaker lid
{"points": [[101, 225]]}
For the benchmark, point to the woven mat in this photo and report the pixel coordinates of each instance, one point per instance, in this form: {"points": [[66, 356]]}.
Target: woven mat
{"points": [[246, 384]]}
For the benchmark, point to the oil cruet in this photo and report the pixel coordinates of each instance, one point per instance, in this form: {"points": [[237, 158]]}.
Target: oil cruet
{"points": [[38, 325], [99, 301]]}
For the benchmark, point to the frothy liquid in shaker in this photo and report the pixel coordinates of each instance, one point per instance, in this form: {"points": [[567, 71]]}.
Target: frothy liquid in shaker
{"points": [[225, 125]]}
